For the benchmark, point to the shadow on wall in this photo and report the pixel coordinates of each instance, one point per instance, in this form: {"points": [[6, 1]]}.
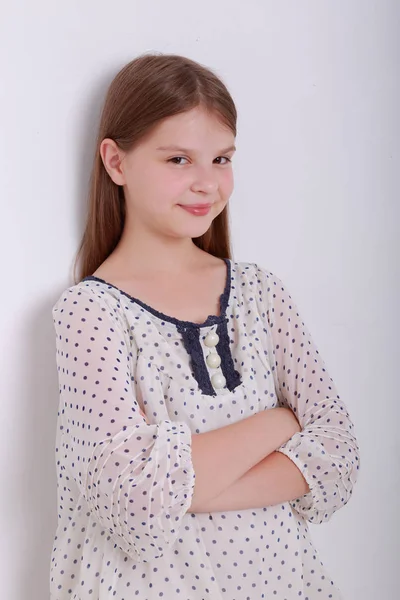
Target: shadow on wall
{"points": [[34, 480], [86, 129], [34, 483]]}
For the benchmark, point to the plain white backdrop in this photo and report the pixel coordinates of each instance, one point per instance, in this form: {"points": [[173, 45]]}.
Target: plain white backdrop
{"points": [[316, 84]]}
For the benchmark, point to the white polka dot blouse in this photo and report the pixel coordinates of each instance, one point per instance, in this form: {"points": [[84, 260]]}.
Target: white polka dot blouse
{"points": [[125, 485]]}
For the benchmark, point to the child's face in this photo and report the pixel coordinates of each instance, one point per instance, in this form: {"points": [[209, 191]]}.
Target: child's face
{"points": [[155, 186]]}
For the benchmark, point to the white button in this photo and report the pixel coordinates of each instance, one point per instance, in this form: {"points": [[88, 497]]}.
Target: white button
{"points": [[213, 360], [211, 339], [218, 381]]}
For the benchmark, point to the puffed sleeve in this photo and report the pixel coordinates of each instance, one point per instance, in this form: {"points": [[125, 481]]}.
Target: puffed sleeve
{"points": [[137, 478], [326, 450]]}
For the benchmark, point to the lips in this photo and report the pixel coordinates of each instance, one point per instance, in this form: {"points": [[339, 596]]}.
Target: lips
{"points": [[197, 209], [195, 205]]}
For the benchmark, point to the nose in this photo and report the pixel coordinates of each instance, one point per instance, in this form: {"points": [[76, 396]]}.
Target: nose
{"points": [[204, 181]]}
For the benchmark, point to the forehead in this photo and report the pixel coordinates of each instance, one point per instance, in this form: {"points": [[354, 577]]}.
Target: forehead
{"points": [[196, 125]]}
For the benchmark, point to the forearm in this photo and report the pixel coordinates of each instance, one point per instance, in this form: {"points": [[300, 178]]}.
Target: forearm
{"points": [[220, 457], [275, 479]]}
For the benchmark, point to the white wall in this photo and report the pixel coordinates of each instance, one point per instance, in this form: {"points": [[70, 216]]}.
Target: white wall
{"points": [[317, 87]]}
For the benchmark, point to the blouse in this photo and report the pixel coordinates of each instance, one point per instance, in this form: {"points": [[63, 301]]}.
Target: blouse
{"points": [[125, 485]]}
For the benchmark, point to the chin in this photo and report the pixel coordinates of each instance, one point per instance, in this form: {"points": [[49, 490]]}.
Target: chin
{"points": [[192, 232]]}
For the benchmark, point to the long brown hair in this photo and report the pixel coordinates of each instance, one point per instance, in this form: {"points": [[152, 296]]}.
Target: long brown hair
{"points": [[146, 90]]}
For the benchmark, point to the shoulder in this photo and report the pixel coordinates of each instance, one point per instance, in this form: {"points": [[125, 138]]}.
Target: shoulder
{"points": [[255, 272], [89, 296], [88, 289], [268, 289]]}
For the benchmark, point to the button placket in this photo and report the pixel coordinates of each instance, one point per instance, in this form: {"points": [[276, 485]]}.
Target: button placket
{"points": [[213, 360]]}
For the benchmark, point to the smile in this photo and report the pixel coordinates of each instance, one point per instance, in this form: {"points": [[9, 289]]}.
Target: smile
{"points": [[197, 210]]}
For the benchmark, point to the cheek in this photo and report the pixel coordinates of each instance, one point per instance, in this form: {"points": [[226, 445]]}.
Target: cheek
{"points": [[154, 187], [168, 182], [227, 181]]}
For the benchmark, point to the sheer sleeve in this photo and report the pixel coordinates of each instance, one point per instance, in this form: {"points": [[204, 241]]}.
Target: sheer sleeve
{"points": [[326, 450], [137, 478]]}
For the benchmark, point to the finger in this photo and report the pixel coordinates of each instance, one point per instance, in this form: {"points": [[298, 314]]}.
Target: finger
{"points": [[144, 415]]}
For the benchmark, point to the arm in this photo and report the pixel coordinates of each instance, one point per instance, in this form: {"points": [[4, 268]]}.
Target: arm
{"points": [[274, 480], [326, 449], [220, 457], [138, 479], [229, 450]]}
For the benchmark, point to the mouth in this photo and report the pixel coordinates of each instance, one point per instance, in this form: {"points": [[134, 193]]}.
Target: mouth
{"points": [[197, 209]]}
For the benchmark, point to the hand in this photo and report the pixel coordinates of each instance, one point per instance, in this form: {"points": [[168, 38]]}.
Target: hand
{"points": [[294, 425], [144, 416]]}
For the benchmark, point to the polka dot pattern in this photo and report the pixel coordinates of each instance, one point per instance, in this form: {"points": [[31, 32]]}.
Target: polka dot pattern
{"points": [[125, 486]]}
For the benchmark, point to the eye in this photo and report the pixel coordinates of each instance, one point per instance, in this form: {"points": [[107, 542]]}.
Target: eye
{"points": [[182, 157], [177, 158], [228, 160]]}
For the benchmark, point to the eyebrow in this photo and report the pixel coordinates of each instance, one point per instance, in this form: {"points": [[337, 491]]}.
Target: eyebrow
{"points": [[188, 151]]}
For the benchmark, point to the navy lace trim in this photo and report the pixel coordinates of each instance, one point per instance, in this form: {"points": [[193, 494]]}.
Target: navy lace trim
{"points": [[227, 365], [211, 319], [190, 332], [191, 341]]}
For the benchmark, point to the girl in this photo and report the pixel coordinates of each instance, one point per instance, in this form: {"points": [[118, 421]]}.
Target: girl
{"points": [[198, 428]]}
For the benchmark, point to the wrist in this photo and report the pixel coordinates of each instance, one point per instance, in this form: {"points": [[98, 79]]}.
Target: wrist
{"points": [[279, 426], [288, 422]]}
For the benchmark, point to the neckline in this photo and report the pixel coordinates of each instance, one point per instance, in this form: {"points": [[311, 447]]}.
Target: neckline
{"points": [[224, 301]]}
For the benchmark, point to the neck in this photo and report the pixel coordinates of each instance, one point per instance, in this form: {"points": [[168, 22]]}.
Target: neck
{"points": [[141, 254]]}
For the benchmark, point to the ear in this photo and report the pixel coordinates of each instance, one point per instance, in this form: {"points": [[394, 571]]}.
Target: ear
{"points": [[112, 156]]}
